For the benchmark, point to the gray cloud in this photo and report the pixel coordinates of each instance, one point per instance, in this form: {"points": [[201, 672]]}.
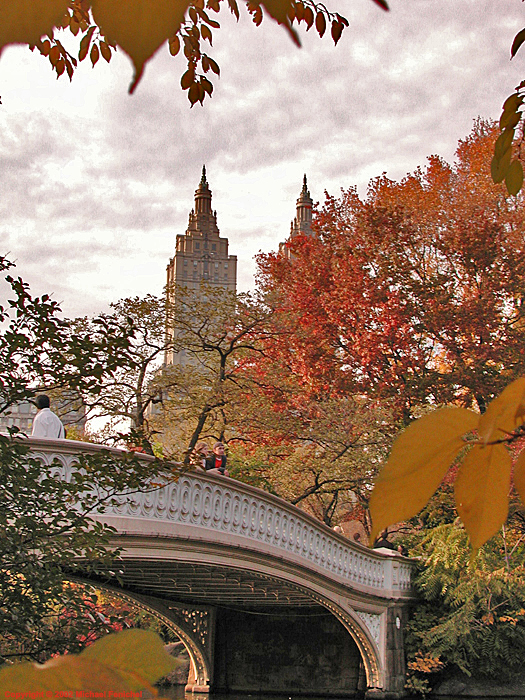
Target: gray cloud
{"points": [[93, 192]]}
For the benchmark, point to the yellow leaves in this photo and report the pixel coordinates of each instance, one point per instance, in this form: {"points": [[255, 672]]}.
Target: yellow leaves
{"points": [[127, 661], [519, 475], [417, 465], [422, 455], [482, 491], [139, 28], [503, 413], [25, 21]]}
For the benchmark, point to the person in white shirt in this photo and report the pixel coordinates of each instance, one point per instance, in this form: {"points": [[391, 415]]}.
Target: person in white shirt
{"points": [[46, 424]]}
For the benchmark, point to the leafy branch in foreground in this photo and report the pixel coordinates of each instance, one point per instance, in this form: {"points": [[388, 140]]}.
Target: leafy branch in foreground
{"points": [[425, 451], [510, 143], [131, 660], [48, 535], [141, 27]]}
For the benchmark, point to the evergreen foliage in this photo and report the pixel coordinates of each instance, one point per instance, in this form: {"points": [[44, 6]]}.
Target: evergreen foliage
{"points": [[472, 615]]}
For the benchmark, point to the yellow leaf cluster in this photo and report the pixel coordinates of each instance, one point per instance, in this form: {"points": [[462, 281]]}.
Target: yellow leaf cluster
{"points": [[424, 452], [128, 661]]}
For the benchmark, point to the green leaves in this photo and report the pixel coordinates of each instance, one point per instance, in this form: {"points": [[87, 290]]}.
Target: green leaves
{"points": [[422, 455], [502, 166], [47, 534]]}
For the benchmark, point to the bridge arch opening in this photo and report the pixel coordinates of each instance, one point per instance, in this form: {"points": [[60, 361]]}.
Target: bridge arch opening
{"points": [[188, 625]]}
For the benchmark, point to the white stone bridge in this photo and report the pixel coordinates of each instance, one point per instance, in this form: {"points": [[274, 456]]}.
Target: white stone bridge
{"points": [[264, 597]]}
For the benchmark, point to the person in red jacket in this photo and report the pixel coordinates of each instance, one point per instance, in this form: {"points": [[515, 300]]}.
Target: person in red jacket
{"points": [[216, 462]]}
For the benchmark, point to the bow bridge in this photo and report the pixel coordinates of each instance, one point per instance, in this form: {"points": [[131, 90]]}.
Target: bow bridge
{"points": [[264, 597]]}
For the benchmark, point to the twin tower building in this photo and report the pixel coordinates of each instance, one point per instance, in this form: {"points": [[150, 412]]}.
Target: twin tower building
{"points": [[201, 254]]}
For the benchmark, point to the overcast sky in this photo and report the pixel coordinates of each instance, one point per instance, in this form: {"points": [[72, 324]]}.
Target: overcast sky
{"points": [[96, 184]]}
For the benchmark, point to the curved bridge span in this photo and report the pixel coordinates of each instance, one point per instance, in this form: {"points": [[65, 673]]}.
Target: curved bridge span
{"points": [[240, 574]]}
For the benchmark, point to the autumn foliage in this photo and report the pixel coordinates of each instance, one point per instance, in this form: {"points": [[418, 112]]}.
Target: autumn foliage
{"points": [[414, 294], [412, 299]]}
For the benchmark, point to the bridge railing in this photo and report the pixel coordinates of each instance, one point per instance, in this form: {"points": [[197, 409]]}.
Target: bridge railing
{"points": [[243, 515]]}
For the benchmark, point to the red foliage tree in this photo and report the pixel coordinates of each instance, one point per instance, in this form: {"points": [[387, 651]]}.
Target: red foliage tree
{"points": [[414, 294]]}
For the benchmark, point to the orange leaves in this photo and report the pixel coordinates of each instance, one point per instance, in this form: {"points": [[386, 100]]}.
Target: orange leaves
{"points": [[59, 58], [128, 661], [422, 455], [140, 27]]}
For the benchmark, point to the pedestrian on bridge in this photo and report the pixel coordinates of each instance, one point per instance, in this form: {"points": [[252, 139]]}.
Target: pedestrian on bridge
{"points": [[47, 424], [216, 462]]}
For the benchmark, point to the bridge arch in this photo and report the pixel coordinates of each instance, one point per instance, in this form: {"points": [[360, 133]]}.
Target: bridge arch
{"points": [[197, 539], [192, 626]]}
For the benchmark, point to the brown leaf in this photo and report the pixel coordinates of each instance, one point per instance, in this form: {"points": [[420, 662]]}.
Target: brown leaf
{"points": [[207, 86], [174, 45], [214, 66], [308, 17], [54, 55], [234, 8], [194, 93], [518, 41], [206, 34], [139, 27], [105, 51], [94, 55], [25, 21], [84, 44], [337, 30], [187, 79], [320, 23], [60, 67]]}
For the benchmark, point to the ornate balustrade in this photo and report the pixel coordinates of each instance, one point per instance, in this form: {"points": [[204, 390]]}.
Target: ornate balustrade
{"points": [[222, 509]]}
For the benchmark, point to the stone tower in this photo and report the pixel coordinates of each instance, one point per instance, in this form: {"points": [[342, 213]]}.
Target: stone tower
{"points": [[302, 223], [303, 218], [201, 254]]}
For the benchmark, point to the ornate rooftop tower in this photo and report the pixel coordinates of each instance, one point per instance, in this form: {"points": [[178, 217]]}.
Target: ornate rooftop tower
{"points": [[302, 223], [303, 219], [201, 254]]}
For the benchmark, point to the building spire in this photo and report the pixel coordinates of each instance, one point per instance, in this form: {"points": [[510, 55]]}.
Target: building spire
{"points": [[304, 192], [203, 182], [203, 196], [303, 220]]}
